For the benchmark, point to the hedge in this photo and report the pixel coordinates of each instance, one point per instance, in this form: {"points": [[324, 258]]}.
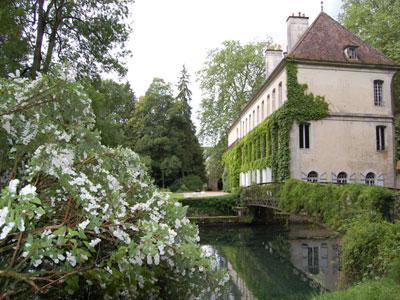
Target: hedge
{"points": [[211, 206]]}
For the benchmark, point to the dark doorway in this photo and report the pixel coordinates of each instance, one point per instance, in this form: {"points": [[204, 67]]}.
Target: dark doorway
{"points": [[220, 185]]}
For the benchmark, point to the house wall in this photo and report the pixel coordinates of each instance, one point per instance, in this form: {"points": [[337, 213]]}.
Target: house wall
{"points": [[346, 140], [348, 90], [239, 128]]}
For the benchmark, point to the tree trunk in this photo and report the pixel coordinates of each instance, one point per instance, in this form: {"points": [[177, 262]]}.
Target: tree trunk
{"points": [[37, 55], [52, 39]]}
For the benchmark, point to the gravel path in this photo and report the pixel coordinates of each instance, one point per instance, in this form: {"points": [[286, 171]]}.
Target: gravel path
{"points": [[203, 194]]}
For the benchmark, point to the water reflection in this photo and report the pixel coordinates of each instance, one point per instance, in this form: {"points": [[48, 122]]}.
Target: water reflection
{"points": [[267, 262]]}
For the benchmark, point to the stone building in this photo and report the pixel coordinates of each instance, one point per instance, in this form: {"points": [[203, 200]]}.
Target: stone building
{"points": [[355, 142]]}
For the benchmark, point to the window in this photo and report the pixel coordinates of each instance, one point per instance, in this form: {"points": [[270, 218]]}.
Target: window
{"points": [[378, 92], [310, 259], [273, 99], [254, 118], [245, 131], [242, 129], [312, 176], [237, 133], [370, 179], [341, 178], [249, 123], [262, 110], [380, 138], [268, 105], [351, 53], [304, 136], [280, 94], [258, 114]]}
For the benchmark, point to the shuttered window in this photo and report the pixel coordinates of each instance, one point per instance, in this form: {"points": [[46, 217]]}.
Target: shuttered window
{"points": [[304, 136], [380, 138]]}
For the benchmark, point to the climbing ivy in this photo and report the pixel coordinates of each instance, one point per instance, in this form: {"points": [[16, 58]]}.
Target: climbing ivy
{"points": [[267, 145]]}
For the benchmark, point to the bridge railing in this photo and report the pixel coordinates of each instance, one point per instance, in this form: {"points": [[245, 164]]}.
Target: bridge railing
{"points": [[259, 195]]}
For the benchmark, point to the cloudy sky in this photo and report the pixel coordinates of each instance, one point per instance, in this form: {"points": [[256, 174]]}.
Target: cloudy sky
{"points": [[170, 33]]}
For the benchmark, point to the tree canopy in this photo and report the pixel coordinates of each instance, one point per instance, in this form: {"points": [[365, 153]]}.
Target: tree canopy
{"points": [[113, 104], [231, 74], [88, 35], [162, 133]]}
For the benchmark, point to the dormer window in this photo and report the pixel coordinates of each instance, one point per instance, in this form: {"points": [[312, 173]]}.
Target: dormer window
{"points": [[351, 53]]}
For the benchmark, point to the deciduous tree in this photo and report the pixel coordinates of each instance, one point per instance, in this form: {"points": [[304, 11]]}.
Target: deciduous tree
{"points": [[113, 105], [89, 35], [229, 77]]}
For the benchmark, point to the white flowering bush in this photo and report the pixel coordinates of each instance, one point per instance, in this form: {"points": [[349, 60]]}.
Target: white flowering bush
{"points": [[79, 218]]}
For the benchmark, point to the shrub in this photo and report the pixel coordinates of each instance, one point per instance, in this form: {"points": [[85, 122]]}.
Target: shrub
{"points": [[80, 218], [370, 290], [211, 206], [336, 204], [364, 253], [190, 183]]}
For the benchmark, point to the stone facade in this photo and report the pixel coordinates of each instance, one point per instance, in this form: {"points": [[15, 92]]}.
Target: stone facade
{"points": [[355, 143]]}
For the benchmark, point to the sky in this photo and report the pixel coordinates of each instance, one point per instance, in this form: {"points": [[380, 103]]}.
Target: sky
{"points": [[170, 33]]}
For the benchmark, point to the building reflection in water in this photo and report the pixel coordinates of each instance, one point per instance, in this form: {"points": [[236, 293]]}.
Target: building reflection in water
{"points": [[274, 262], [316, 253]]}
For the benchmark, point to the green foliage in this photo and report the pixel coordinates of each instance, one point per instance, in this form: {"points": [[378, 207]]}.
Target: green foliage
{"points": [[335, 204], [161, 131], [80, 219], [211, 206], [13, 46], [369, 249], [88, 35], [386, 288], [184, 93], [267, 145], [230, 76], [192, 183], [113, 105], [370, 244]]}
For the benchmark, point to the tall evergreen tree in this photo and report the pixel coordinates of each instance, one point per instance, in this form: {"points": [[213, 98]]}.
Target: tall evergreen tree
{"points": [[194, 162], [164, 137], [184, 93]]}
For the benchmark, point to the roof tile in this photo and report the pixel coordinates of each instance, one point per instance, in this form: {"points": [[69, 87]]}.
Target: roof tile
{"points": [[325, 40]]}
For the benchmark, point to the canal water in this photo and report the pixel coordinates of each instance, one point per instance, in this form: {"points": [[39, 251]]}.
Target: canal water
{"points": [[274, 262]]}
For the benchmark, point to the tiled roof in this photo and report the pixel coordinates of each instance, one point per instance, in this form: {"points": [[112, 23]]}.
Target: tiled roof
{"points": [[325, 41]]}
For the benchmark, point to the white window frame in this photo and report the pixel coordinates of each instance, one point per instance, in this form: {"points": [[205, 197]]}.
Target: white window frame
{"points": [[378, 92]]}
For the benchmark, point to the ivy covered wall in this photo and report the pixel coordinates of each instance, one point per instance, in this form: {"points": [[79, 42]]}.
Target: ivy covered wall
{"points": [[267, 145]]}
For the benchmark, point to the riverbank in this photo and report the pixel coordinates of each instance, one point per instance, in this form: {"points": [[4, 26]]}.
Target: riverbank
{"points": [[365, 215]]}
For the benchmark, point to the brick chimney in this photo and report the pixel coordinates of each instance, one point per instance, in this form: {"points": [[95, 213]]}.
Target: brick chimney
{"points": [[272, 59], [296, 26]]}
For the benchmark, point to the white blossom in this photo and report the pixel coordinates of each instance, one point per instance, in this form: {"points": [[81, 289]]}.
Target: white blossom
{"points": [[61, 257], [3, 215], [121, 235], [94, 242], [28, 190], [37, 262], [12, 186], [156, 259], [21, 225], [84, 224], [6, 230], [71, 259]]}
